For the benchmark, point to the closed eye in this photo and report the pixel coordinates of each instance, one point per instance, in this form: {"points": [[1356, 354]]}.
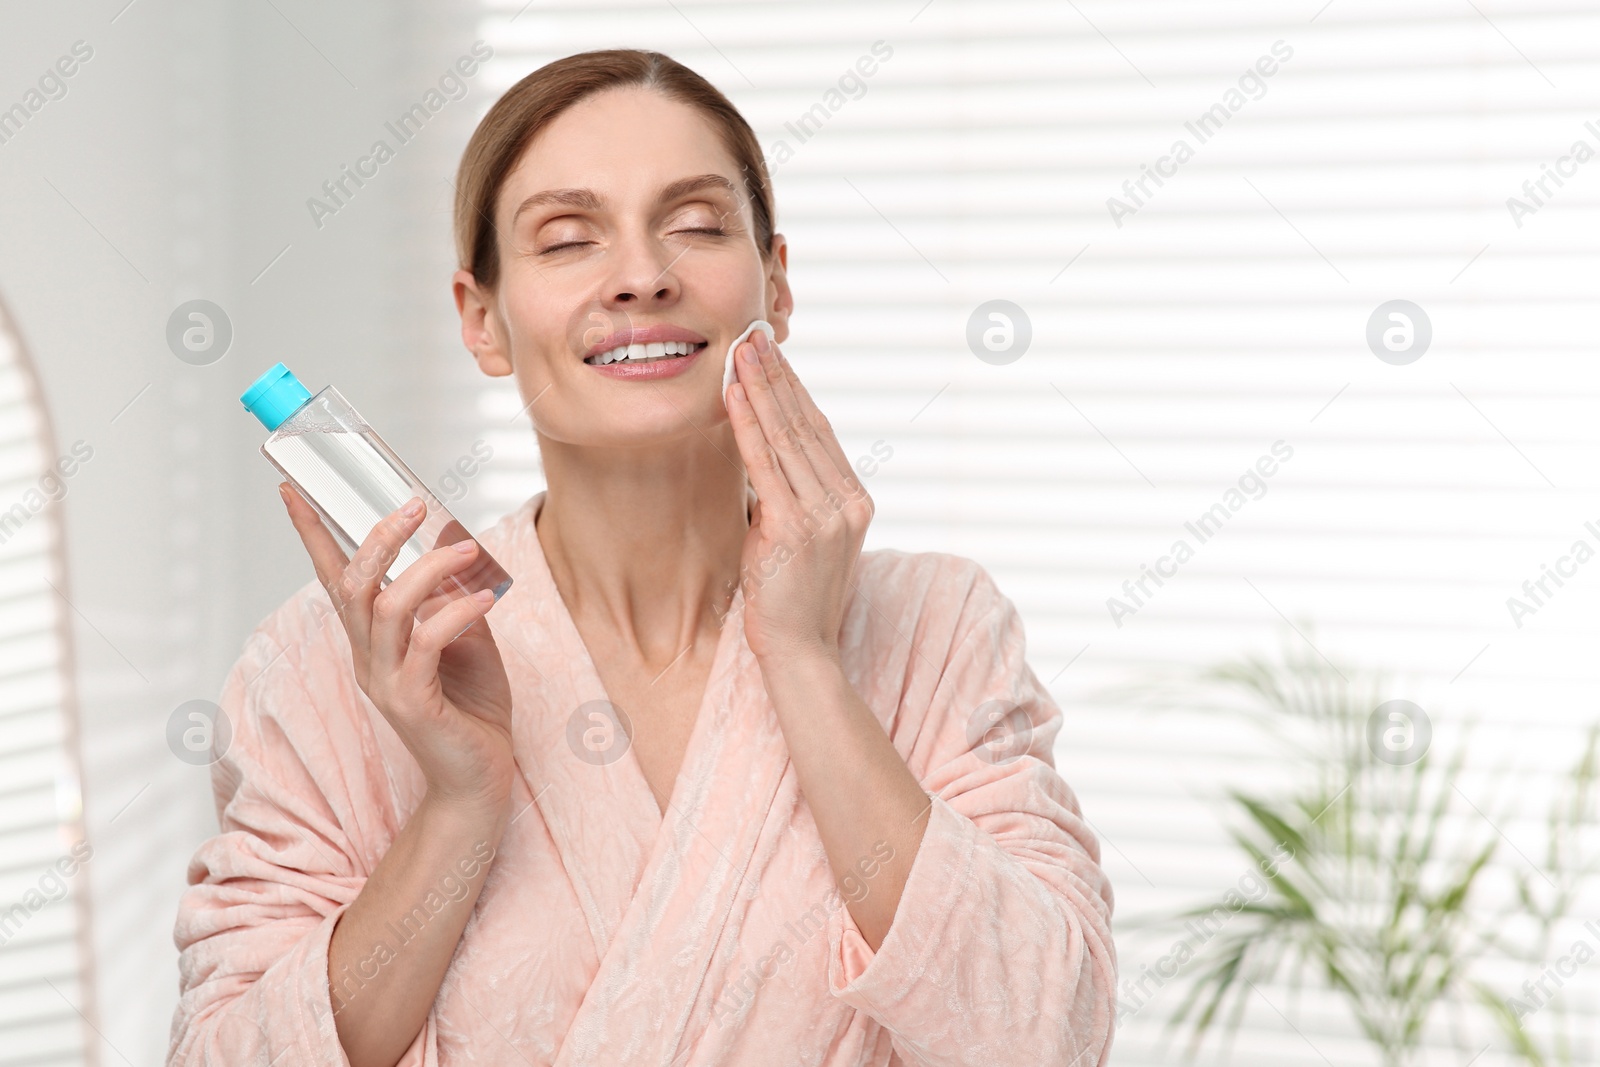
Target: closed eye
{"points": [[712, 231], [709, 231]]}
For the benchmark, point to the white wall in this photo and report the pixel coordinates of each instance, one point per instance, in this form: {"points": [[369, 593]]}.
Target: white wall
{"points": [[176, 167]]}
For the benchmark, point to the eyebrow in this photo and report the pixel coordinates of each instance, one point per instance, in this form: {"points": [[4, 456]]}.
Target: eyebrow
{"points": [[589, 200]]}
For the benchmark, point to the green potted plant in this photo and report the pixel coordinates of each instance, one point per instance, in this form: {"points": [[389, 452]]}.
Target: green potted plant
{"points": [[1373, 865]]}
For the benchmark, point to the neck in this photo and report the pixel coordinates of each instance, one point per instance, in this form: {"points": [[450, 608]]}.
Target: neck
{"points": [[645, 542]]}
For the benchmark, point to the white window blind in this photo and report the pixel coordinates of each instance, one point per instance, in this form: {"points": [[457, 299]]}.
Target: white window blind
{"points": [[43, 854], [1176, 338]]}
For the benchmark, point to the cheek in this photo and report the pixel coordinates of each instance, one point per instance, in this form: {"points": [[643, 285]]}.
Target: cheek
{"points": [[543, 313], [731, 288]]}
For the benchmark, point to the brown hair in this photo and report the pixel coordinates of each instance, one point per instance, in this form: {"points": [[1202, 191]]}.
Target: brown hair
{"points": [[530, 105]]}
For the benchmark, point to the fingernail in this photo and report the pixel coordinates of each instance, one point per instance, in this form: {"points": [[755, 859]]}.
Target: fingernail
{"points": [[464, 546], [483, 596], [762, 341], [751, 355], [413, 509]]}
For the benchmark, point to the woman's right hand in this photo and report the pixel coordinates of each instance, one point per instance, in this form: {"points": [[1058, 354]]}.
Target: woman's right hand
{"points": [[450, 703]]}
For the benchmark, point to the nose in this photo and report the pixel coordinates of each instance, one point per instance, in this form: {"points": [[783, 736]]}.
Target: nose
{"points": [[642, 274]]}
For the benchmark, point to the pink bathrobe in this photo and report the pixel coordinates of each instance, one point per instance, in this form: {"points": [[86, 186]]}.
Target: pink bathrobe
{"points": [[607, 934]]}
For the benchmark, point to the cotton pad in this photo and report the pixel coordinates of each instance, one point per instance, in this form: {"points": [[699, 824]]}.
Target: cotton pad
{"points": [[730, 377]]}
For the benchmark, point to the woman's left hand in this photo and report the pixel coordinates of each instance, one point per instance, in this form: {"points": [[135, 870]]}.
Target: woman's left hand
{"points": [[811, 515]]}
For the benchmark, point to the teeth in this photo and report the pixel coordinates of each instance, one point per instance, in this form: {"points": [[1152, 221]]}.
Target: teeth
{"points": [[643, 352]]}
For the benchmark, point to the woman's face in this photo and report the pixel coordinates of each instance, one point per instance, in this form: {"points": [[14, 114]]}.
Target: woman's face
{"points": [[625, 218]]}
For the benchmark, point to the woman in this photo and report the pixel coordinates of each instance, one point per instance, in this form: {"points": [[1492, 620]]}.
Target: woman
{"points": [[709, 784]]}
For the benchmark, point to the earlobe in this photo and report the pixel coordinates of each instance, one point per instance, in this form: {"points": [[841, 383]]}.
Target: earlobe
{"points": [[477, 328], [491, 362]]}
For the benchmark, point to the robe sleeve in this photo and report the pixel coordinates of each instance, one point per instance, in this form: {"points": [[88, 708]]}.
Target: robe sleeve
{"points": [[296, 794], [1000, 950]]}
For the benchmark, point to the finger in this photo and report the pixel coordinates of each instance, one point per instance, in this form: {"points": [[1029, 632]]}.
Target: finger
{"points": [[430, 638], [760, 460], [836, 472], [395, 608], [357, 588], [327, 557], [824, 429], [779, 426], [767, 350], [368, 567], [802, 422]]}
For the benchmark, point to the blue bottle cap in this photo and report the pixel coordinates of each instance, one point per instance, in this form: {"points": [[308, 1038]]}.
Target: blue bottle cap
{"points": [[275, 396]]}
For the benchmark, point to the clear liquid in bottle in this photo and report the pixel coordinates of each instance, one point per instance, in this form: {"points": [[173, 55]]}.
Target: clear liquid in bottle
{"points": [[329, 453]]}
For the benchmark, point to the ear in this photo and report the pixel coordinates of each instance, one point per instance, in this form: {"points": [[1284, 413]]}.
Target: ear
{"points": [[481, 330], [780, 301]]}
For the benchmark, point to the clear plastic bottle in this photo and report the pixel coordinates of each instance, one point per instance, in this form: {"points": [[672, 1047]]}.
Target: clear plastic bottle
{"points": [[327, 451]]}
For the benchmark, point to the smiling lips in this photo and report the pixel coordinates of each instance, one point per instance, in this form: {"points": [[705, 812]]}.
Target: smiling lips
{"points": [[644, 344]]}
